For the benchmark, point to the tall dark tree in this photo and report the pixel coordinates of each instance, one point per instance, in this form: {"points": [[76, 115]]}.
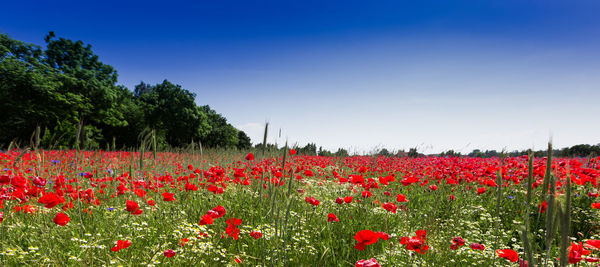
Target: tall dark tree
{"points": [[222, 134], [89, 81], [243, 141], [30, 91], [172, 112]]}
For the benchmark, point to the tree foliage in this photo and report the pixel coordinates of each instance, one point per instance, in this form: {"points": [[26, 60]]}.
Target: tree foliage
{"points": [[66, 84]]}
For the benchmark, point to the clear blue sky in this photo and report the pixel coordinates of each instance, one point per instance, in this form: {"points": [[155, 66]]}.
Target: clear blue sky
{"points": [[397, 74]]}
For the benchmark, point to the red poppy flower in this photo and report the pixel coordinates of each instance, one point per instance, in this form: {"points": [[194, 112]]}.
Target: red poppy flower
{"points": [[477, 246], [168, 196], [401, 198], [61, 219], [250, 156], [383, 235], [339, 200], [133, 207], [1, 216], [313, 201], [366, 194], [576, 251], [140, 192], [592, 259], [365, 237], [542, 207], [389, 206], [416, 243], [190, 187], [332, 218], [458, 241], [169, 253], [232, 229], [596, 205], [51, 200], [367, 263], [39, 181], [292, 152], [217, 212], [121, 244], [508, 254], [593, 244], [452, 198], [362, 169], [206, 219], [348, 199], [255, 234], [357, 179], [481, 190]]}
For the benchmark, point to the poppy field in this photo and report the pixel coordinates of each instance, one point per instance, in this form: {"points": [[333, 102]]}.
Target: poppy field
{"points": [[230, 208]]}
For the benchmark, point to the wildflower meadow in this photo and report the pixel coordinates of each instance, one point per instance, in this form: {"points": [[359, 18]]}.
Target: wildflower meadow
{"points": [[236, 208]]}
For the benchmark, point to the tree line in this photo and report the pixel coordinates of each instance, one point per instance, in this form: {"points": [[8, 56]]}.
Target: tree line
{"points": [[69, 94], [581, 150]]}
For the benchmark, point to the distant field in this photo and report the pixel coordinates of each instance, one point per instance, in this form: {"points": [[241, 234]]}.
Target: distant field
{"points": [[231, 208]]}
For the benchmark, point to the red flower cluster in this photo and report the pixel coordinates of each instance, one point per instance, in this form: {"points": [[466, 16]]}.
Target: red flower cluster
{"points": [[416, 243], [133, 207], [364, 238], [216, 212], [168, 196], [169, 253], [576, 252], [232, 229], [457, 242], [121, 244], [343, 200], [311, 200], [389, 206]]}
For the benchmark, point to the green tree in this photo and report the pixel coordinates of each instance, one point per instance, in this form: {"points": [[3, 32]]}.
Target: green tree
{"points": [[243, 141], [172, 112], [221, 134], [308, 149], [91, 85], [341, 152], [384, 152], [66, 84], [413, 153], [31, 91]]}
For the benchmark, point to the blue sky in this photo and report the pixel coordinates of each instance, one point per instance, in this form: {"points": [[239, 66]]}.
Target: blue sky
{"points": [[361, 75]]}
